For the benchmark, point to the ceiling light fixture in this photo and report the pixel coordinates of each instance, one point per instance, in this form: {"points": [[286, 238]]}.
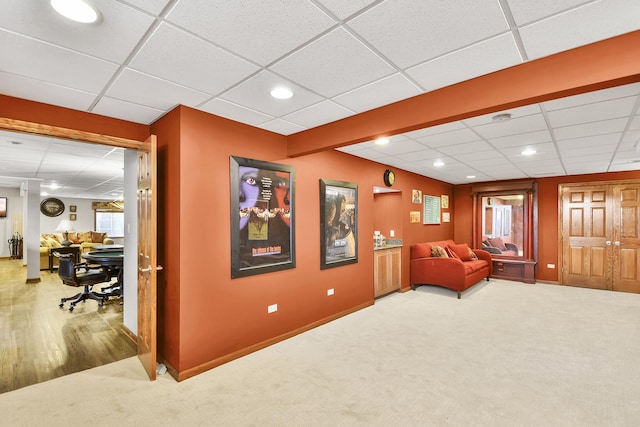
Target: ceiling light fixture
{"points": [[471, 176], [382, 141], [438, 163], [281, 93], [76, 10], [528, 152], [498, 118]]}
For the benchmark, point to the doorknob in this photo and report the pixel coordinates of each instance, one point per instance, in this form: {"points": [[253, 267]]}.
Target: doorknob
{"points": [[608, 243], [616, 243], [145, 270]]}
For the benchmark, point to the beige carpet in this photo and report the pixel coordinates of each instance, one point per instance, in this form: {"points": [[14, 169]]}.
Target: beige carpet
{"points": [[506, 354]]}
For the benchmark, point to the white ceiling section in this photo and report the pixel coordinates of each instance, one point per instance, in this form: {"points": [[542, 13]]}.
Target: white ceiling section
{"points": [[340, 58]]}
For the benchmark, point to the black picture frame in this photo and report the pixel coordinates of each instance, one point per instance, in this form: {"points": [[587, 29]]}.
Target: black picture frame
{"points": [[52, 207], [262, 217], [338, 225], [3, 207]]}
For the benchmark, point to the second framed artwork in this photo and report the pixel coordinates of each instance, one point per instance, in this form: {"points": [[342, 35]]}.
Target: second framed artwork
{"points": [[338, 223]]}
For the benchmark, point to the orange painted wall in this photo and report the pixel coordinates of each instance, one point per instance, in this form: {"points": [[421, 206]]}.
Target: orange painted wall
{"points": [[206, 315], [548, 236]]}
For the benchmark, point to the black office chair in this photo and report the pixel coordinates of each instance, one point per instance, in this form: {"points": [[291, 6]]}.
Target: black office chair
{"points": [[81, 275]]}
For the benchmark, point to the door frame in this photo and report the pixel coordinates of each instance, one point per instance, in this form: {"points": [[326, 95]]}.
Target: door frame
{"points": [[74, 135], [561, 187]]}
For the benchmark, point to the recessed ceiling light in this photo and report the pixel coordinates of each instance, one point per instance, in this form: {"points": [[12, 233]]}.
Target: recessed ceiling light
{"points": [[528, 152], [281, 93], [76, 10], [470, 176], [502, 117], [382, 141], [438, 163]]}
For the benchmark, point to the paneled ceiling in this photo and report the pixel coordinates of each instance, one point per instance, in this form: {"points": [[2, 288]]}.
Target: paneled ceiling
{"points": [[340, 58]]}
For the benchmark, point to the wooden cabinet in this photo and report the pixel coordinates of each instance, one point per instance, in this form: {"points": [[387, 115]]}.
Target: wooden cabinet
{"points": [[387, 264], [521, 270]]}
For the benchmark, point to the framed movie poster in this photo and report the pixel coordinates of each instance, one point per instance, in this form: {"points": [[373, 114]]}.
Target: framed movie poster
{"points": [[338, 223], [262, 217]]}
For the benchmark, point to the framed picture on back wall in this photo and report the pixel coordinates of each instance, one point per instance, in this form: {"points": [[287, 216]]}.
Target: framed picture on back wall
{"points": [[3, 207], [338, 223]]}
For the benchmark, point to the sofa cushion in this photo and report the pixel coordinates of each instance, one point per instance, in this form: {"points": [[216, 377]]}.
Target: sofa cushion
{"points": [[97, 237], [420, 250], [461, 251], [84, 236], [473, 266], [439, 252], [45, 243]]}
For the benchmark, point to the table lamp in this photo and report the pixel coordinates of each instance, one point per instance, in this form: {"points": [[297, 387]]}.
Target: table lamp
{"points": [[65, 226]]}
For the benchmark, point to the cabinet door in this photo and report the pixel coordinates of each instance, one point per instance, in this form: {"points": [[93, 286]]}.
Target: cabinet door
{"points": [[381, 272]]}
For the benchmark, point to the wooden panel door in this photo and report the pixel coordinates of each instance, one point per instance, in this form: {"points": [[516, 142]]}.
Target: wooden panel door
{"points": [[586, 231], [147, 264], [626, 246]]}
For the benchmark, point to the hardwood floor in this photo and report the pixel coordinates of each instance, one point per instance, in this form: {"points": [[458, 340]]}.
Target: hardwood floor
{"points": [[40, 341]]}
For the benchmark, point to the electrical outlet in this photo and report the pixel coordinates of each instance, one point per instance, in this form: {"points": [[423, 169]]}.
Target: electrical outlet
{"points": [[272, 308], [329, 292], [551, 266]]}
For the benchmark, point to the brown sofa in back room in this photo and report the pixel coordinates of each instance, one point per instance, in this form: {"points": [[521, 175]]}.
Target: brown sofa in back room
{"points": [[86, 240], [447, 264]]}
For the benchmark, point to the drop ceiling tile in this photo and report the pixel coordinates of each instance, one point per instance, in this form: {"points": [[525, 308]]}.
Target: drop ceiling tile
{"points": [[521, 139], [280, 126], [318, 114], [367, 153], [30, 18], [343, 9], [593, 97], [515, 126], [48, 63], [382, 92], [599, 111], [574, 146], [413, 31], [526, 11], [590, 129], [35, 90], [400, 147], [587, 24], [177, 56], [458, 149], [471, 155], [260, 31], [584, 168], [619, 167], [464, 64], [232, 111], [419, 156], [153, 6], [455, 137], [124, 110], [635, 123], [333, 64], [527, 110], [254, 93], [153, 92]]}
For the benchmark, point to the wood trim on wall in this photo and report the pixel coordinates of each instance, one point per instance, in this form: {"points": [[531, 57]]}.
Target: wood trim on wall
{"points": [[71, 134]]}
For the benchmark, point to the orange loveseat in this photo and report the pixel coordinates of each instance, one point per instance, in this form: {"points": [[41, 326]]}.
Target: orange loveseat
{"points": [[456, 269]]}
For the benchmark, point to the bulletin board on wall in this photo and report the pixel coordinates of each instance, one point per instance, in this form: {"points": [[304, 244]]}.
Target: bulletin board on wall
{"points": [[431, 209]]}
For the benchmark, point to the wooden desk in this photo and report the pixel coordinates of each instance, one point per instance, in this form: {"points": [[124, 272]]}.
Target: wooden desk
{"points": [[75, 250]]}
